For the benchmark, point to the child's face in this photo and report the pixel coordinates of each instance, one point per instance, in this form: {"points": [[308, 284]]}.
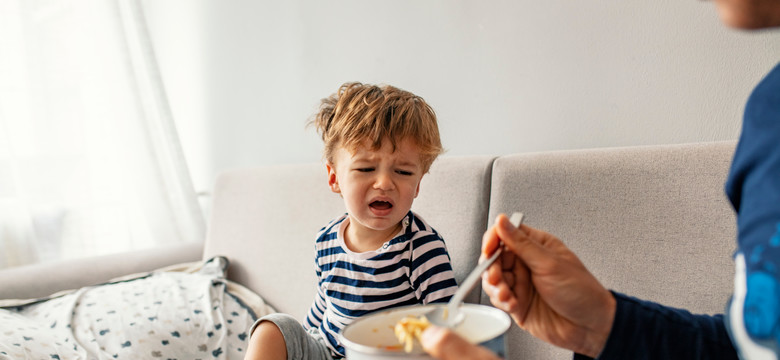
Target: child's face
{"points": [[378, 186]]}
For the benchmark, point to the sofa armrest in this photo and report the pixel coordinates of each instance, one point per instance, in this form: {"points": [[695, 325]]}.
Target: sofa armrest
{"points": [[39, 280]]}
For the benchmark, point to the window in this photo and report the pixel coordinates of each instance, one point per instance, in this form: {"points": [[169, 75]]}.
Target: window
{"points": [[89, 158]]}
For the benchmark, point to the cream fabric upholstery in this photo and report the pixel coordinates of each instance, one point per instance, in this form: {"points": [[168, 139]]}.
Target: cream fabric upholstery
{"points": [[651, 222], [44, 279]]}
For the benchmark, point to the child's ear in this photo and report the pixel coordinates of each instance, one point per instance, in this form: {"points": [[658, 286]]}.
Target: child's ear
{"points": [[333, 181], [417, 191]]}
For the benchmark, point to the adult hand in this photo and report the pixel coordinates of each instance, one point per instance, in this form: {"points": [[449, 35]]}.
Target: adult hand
{"points": [[444, 344], [546, 288]]}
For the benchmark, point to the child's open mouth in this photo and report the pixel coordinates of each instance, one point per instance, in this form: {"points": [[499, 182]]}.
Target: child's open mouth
{"points": [[380, 205]]}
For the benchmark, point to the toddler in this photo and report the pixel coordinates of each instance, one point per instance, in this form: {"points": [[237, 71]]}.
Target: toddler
{"points": [[379, 142]]}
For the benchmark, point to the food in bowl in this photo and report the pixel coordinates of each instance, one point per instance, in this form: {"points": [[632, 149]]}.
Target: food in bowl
{"points": [[410, 328], [372, 336]]}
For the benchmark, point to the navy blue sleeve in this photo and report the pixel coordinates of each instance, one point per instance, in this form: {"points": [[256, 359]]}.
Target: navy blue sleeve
{"points": [[753, 188], [646, 330]]}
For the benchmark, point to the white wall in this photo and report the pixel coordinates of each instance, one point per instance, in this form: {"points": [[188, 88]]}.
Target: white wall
{"points": [[504, 76]]}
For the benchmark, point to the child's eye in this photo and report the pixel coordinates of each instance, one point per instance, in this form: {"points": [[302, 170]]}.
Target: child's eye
{"points": [[404, 172], [367, 169]]}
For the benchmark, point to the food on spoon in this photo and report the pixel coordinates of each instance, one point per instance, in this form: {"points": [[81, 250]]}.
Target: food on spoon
{"points": [[409, 328]]}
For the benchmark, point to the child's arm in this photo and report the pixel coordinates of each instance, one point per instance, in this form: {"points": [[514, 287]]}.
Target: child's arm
{"points": [[431, 271], [317, 311], [318, 306]]}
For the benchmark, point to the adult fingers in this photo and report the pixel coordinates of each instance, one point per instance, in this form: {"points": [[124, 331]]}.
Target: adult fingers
{"points": [[503, 297], [525, 242], [490, 241], [446, 345]]}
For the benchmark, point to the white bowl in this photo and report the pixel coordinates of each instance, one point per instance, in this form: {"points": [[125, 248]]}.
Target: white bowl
{"points": [[372, 336]]}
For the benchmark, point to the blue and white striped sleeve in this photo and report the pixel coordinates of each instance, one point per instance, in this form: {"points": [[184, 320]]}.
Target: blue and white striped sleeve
{"points": [[316, 312], [431, 271], [318, 306]]}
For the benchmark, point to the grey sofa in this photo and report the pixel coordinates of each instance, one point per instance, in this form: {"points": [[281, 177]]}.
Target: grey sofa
{"points": [[649, 221]]}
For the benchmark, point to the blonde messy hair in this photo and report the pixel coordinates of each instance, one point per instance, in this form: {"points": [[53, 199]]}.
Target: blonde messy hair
{"points": [[359, 112]]}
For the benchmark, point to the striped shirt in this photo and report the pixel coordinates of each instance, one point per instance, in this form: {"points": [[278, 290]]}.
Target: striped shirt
{"points": [[412, 268]]}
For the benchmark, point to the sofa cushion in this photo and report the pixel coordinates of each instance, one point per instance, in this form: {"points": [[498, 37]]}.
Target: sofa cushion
{"points": [[652, 222], [265, 220], [454, 200]]}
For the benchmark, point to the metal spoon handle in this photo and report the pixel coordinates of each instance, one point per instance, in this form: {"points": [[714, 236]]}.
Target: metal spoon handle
{"points": [[474, 276], [471, 280]]}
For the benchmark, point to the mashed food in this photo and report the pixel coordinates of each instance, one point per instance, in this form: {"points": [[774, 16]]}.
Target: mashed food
{"points": [[409, 328]]}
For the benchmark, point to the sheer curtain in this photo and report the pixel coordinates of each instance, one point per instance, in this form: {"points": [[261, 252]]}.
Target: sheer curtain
{"points": [[90, 162]]}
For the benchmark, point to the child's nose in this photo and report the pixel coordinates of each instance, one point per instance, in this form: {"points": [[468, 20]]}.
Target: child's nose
{"points": [[384, 181]]}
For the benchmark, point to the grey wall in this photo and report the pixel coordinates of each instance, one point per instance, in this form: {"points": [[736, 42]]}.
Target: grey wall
{"points": [[243, 76]]}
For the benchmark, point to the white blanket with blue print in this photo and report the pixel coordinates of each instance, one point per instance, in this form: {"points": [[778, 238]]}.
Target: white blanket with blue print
{"points": [[164, 315]]}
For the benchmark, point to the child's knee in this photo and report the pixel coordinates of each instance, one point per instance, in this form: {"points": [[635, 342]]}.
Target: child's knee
{"points": [[267, 330], [266, 341]]}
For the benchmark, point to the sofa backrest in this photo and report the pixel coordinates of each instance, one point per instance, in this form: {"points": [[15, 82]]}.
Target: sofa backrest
{"points": [[265, 220], [651, 222]]}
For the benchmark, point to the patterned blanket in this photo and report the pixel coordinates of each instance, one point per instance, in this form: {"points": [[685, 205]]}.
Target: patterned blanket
{"points": [[161, 315]]}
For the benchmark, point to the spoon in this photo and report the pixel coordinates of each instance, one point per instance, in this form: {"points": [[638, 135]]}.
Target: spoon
{"points": [[450, 316]]}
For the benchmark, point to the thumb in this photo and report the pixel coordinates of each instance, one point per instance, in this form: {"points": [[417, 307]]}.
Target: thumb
{"points": [[444, 344]]}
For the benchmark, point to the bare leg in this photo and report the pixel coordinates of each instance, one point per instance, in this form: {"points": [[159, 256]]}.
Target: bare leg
{"points": [[266, 343]]}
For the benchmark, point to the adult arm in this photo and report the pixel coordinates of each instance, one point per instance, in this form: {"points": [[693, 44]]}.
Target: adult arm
{"points": [[646, 330]]}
